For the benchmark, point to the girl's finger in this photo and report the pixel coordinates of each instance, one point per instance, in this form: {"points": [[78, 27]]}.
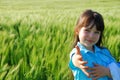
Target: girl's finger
{"points": [[87, 74], [83, 67], [82, 62], [79, 57], [95, 78], [95, 64], [93, 69]]}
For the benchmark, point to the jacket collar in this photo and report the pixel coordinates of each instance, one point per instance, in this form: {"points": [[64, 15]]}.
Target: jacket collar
{"points": [[83, 48]]}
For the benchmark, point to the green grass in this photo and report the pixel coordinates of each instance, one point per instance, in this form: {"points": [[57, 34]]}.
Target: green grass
{"points": [[36, 36]]}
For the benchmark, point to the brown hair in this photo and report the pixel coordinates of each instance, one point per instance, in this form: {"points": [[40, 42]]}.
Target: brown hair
{"points": [[89, 18]]}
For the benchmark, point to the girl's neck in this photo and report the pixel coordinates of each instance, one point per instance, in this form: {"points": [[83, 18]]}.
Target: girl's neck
{"points": [[90, 48]]}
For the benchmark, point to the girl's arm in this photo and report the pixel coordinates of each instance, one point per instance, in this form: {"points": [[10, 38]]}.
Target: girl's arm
{"points": [[78, 62]]}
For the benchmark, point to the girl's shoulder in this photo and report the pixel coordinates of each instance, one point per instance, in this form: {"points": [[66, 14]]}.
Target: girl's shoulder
{"points": [[72, 52], [104, 49], [106, 52]]}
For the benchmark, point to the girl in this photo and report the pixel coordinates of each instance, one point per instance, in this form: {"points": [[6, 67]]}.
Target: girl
{"points": [[88, 59]]}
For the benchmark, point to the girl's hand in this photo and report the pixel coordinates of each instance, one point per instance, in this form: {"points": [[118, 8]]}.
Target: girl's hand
{"points": [[78, 62], [99, 71]]}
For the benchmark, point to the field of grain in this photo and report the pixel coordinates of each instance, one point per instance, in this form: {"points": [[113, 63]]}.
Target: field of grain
{"points": [[36, 36]]}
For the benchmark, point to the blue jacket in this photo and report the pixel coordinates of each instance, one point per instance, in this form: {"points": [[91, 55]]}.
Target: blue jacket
{"points": [[100, 56]]}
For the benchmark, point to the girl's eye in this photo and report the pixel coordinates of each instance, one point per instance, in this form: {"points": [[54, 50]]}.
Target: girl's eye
{"points": [[97, 32], [87, 30]]}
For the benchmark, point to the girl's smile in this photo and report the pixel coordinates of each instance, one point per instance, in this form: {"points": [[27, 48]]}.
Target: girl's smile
{"points": [[90, 41]]}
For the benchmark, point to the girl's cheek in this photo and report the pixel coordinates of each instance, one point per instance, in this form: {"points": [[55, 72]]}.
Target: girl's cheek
{"points": [[86, 33], [97, 36]]}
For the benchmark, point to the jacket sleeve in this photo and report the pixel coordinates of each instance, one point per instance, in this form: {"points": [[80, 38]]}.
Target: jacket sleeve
{"points": [[115, 70], [71, 65], [113, 66]]}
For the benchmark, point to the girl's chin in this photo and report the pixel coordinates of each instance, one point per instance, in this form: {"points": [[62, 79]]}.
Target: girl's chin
{"points": [[88, 45]]}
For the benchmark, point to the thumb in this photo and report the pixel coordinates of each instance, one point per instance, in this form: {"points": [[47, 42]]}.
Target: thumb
{"points": [[78, 53], [78, 50]]}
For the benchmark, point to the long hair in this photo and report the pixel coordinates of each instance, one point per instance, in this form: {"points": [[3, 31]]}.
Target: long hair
{"points": [[89, 18]]}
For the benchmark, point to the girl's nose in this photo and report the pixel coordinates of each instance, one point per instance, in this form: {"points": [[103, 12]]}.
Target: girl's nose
{"points": [[91, 35]]}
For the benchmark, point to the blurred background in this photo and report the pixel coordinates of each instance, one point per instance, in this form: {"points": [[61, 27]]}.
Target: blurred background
{"points": [[36, 36]]}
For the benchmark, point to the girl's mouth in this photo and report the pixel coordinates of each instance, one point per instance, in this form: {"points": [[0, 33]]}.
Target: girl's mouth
{"points": [[90, 41]]}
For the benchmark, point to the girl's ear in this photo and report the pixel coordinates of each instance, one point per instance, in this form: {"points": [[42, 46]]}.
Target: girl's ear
{"points": [[76, 31]]}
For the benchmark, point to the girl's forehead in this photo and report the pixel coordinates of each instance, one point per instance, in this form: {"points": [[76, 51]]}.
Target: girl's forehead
{"points": [[90, 27]]}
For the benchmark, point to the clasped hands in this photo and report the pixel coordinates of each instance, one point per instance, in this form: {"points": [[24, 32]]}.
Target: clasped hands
{"points": [[95, 72]]}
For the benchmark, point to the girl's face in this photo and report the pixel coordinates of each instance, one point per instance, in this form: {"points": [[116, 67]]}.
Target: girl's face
{"points": [[89, 36]]}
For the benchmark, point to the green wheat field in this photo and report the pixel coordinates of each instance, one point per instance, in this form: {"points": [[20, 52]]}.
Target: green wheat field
{"points": [[36, 36]]}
